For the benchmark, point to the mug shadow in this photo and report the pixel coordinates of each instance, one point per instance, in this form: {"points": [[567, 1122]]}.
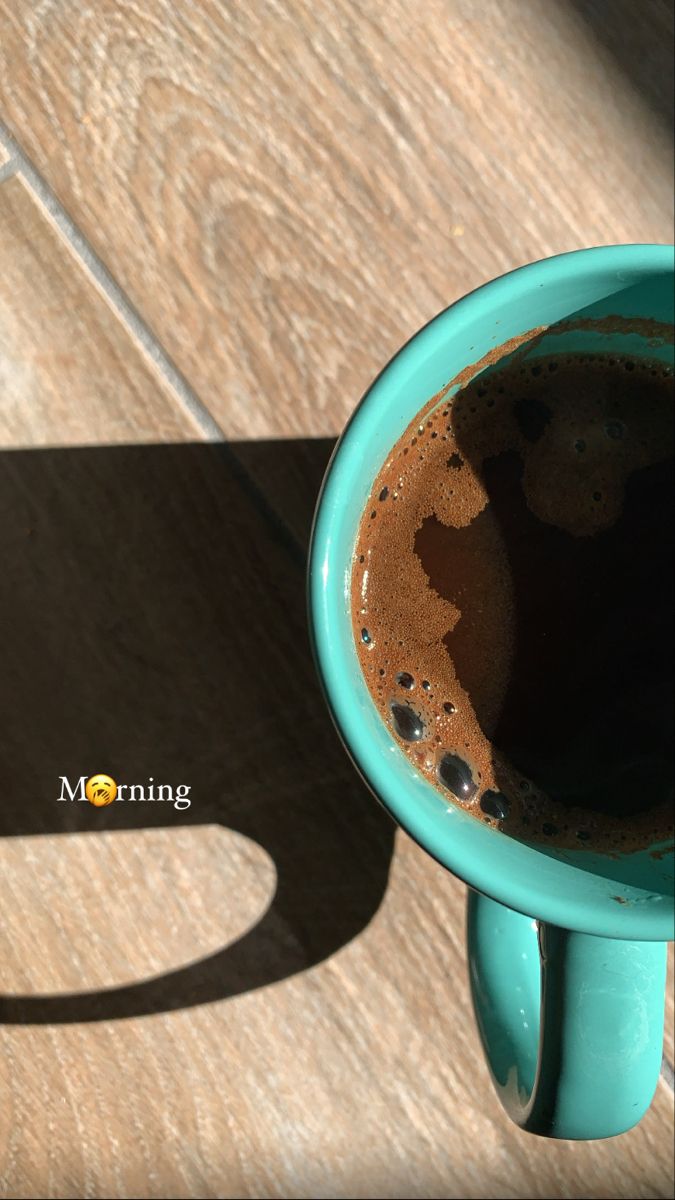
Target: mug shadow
{"points": [[155, 625], [640, 40]]}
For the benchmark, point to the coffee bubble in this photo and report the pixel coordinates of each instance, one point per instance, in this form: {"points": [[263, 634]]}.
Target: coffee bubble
{"points": [[407, 723], [455, 774], [495, 804], [614, 429]]}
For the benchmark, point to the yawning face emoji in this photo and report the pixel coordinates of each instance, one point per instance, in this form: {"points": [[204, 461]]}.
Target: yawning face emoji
{"points": [[100, 790]]}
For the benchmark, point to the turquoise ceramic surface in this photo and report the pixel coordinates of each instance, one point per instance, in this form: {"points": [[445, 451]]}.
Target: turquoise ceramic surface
{"points": [[566, 948]]}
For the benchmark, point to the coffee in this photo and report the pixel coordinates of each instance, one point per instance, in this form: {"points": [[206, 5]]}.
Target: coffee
{"points": [[512, 597]]}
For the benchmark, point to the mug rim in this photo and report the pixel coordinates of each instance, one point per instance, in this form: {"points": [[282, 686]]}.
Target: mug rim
{"points": [[453, 837]]}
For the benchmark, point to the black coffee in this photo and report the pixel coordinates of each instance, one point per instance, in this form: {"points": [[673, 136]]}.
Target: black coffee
{"points": [[512, 596]]}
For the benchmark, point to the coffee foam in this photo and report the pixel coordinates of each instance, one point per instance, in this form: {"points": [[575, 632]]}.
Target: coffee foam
{"points": [[577, 451]]}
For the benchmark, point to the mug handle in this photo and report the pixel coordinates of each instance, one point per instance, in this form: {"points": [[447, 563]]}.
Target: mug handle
{"points": [[571, 1023]]}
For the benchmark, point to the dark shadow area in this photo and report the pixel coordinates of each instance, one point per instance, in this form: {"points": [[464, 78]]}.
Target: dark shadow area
{"points": [[640, 36], [579, 600], [154, 624]]}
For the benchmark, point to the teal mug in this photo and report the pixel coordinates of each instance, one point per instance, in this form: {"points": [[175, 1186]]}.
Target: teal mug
{"points": [[566, 948]]}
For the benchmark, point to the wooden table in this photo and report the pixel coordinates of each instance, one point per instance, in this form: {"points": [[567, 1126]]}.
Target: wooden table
{"points": [[217, 221]]}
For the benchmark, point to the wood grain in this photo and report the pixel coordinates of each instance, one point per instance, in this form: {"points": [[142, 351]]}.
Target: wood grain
{"points": [[349, 1081], [70, 373], [285, 193]]}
